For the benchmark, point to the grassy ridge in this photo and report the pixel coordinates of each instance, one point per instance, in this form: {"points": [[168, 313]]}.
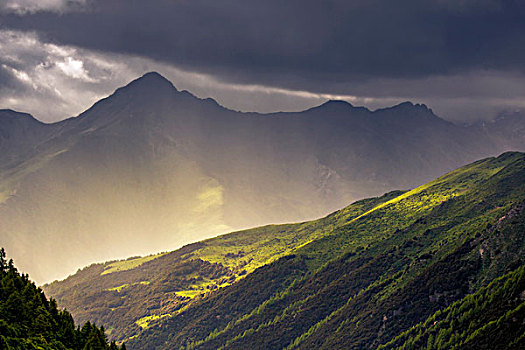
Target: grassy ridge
{"points": [[124, 294], [372, 276], [355, 279]]}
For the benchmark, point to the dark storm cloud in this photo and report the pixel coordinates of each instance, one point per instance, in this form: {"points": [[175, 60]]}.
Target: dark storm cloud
{"points": [[298, 42], [9, 82], [464, 58]]}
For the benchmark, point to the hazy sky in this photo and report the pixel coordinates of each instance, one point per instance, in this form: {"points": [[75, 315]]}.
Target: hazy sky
{"points": [[463, 58]]}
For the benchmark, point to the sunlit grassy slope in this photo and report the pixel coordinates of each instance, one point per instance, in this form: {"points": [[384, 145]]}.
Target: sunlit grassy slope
{"points": [[128, 264], [315, 272], [116, 292], [374, 276]]}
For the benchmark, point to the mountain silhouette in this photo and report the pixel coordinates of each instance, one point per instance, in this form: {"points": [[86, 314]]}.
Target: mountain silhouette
{"points": [[150, 168]]}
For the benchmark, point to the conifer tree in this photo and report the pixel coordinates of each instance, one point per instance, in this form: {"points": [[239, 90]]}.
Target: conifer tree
{"points": [[28, 320]]}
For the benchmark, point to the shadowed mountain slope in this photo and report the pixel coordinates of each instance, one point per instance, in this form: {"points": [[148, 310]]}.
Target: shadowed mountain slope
{"points": [[150, 168]]}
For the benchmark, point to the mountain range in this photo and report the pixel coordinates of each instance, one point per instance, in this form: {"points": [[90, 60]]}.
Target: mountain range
{"points": [[151, 168], [441, 266]]}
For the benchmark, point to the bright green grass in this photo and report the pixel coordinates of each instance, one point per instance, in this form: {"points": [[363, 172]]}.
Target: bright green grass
{"points": [[189, 293], [382, 227], [253, 248], [129, 264], [381, 221], [205, 286], [343, 231], [372, 225], [118, 289], [145, 321]]}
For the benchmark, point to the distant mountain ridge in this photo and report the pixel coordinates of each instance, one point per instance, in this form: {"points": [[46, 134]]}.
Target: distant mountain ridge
{"points": [[508, 129], [150, 168]]}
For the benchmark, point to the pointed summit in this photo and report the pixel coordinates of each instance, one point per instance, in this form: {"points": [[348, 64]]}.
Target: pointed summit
{"points": [[151, 81], [153, 76], [150, 85], [143, 93]]}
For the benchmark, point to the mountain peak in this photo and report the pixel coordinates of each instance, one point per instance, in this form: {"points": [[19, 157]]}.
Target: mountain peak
{"points": [[411, 105], [151, 80], [341, 103], [409, 108], [335, 105], [143, 91], [149, 85], [153, 76]]}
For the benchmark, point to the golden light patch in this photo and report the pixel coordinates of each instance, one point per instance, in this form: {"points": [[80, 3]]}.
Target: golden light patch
{"points": [[209, 197]]}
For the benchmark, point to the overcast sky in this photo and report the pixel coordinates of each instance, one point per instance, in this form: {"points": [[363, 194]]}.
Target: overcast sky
{"points": [[465, 59]]}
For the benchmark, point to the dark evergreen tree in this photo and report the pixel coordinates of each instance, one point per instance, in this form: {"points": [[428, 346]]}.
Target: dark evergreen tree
{"points": [[28, 320]]}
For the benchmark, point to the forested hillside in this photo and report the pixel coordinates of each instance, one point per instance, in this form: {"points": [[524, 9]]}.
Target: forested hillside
{"points": [[28, 320], [359, 278], [491, 318]]}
